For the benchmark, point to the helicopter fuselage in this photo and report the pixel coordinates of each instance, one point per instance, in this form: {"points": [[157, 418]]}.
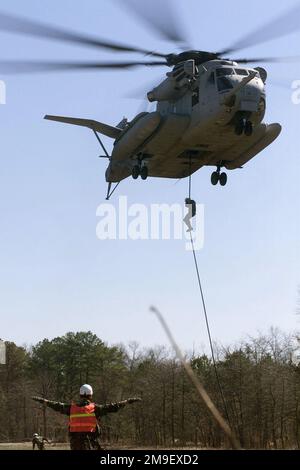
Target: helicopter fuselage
{"points": [[206, 115], [197, 122]]}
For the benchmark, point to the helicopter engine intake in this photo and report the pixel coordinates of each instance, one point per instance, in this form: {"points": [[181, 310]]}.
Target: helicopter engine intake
{"points": [[176, 85]]}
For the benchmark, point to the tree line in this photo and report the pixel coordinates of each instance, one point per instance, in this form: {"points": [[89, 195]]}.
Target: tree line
{"points": [[260, 380]]}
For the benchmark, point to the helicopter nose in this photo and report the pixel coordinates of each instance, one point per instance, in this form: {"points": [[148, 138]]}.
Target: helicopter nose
{"points": [[253, 90], [251, 95]]}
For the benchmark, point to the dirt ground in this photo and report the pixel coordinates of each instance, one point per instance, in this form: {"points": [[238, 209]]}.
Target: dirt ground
{"points": [[28, 446], [64, 446]]}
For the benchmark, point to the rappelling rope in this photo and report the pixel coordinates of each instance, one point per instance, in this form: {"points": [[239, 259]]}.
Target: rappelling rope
{"points": [[197, 383], [209, 331]]}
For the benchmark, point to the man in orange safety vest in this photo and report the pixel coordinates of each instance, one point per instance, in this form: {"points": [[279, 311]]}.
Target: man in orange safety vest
{"points": [[84, 417]]}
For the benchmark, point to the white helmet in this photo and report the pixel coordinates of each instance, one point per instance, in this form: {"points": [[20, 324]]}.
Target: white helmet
{"points": [[86, 390], [35, 435]]}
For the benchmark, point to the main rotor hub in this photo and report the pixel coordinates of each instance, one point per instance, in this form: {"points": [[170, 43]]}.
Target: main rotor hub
{"points": [[200, 57]]}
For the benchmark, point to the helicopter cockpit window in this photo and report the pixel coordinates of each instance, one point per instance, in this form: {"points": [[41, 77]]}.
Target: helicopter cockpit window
{"points": [[224, 84], [224, 72], [242, 72]]}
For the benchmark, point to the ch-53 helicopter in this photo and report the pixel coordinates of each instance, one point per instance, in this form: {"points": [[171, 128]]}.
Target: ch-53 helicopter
{"points": [[210, 109]]}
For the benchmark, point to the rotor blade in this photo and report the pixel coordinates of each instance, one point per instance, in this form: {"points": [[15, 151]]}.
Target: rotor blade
{"points": [[270, 60], [12, 67], [14, 24], [286, 24], [160, 16]]}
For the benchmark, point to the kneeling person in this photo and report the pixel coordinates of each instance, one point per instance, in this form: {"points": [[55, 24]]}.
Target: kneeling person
{"points": [[39, 441]]}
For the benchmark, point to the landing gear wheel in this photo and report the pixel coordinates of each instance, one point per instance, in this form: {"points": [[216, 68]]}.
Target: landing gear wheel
{"points": [[136, 172], [144, 173], [248, 129], [240, 128], [215, 177], [223, 179]]}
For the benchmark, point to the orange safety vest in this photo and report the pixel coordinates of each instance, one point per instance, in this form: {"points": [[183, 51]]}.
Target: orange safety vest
{"points": [[83, 418]]}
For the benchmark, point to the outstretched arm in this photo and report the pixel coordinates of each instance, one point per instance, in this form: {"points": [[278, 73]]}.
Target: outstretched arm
{"points": [[102, 410], [63, 408]]}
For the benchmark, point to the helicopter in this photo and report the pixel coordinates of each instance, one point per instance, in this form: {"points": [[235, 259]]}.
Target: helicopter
{"points": [[210, 107]]}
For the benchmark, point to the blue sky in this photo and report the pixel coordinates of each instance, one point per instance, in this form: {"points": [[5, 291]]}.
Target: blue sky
{"points": [[55, 276]]}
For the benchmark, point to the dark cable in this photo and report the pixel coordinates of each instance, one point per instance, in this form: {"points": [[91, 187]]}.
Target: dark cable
{"points": [[209, 332], [190, 179]]}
